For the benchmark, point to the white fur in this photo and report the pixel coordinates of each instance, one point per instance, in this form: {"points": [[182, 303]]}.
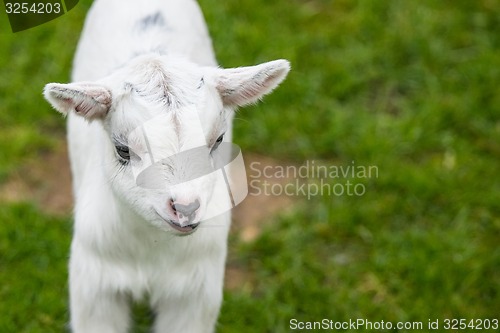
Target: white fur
{"points": [[128, 71]]}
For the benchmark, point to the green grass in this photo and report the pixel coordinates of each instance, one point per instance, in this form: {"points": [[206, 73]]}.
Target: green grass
{"points": [[408, 86], [34, 251]]}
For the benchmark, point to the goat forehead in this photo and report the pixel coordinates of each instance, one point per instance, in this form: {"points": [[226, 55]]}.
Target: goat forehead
{"points": [[172, 129], [168, 103]]}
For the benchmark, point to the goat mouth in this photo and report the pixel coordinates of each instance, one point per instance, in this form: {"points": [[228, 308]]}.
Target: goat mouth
{"points": [[184, 229]]}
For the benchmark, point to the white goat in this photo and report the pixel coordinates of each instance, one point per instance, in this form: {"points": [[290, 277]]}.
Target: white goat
{"points": [[139, 62]]}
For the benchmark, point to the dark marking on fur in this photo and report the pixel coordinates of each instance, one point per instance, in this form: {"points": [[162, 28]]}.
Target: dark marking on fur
{"points": [[129, 87], [228, 92], [202, 82], [153, 20]]}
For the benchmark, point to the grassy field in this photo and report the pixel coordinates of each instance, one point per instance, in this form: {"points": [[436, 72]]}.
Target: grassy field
{"points": [[411, 87]]}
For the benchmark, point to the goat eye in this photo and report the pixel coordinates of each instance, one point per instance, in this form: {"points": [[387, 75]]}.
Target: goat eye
{"points": [[218, 141], [123, 152]]}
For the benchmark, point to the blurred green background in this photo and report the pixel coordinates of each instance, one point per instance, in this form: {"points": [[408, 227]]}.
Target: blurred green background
{"points": [[411, 87]]}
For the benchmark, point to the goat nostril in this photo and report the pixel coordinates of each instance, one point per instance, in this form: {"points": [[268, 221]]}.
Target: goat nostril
{"points": [[172, 204]]}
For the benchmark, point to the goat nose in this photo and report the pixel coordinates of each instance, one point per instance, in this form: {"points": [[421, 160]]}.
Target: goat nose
{"points": [[185, 211]]}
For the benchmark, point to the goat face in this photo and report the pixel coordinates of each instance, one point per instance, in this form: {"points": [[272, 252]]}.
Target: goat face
{"points": [[166, 124]]}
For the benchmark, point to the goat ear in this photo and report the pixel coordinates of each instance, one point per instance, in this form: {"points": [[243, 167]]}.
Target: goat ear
{"points": [[246, 85], [87, 99]]}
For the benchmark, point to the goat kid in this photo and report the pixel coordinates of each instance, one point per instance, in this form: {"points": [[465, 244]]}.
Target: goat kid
{"points": [[149, 63]]}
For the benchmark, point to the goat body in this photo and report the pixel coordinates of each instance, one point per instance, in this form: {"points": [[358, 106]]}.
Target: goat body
{"points": [[149, 62]]}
